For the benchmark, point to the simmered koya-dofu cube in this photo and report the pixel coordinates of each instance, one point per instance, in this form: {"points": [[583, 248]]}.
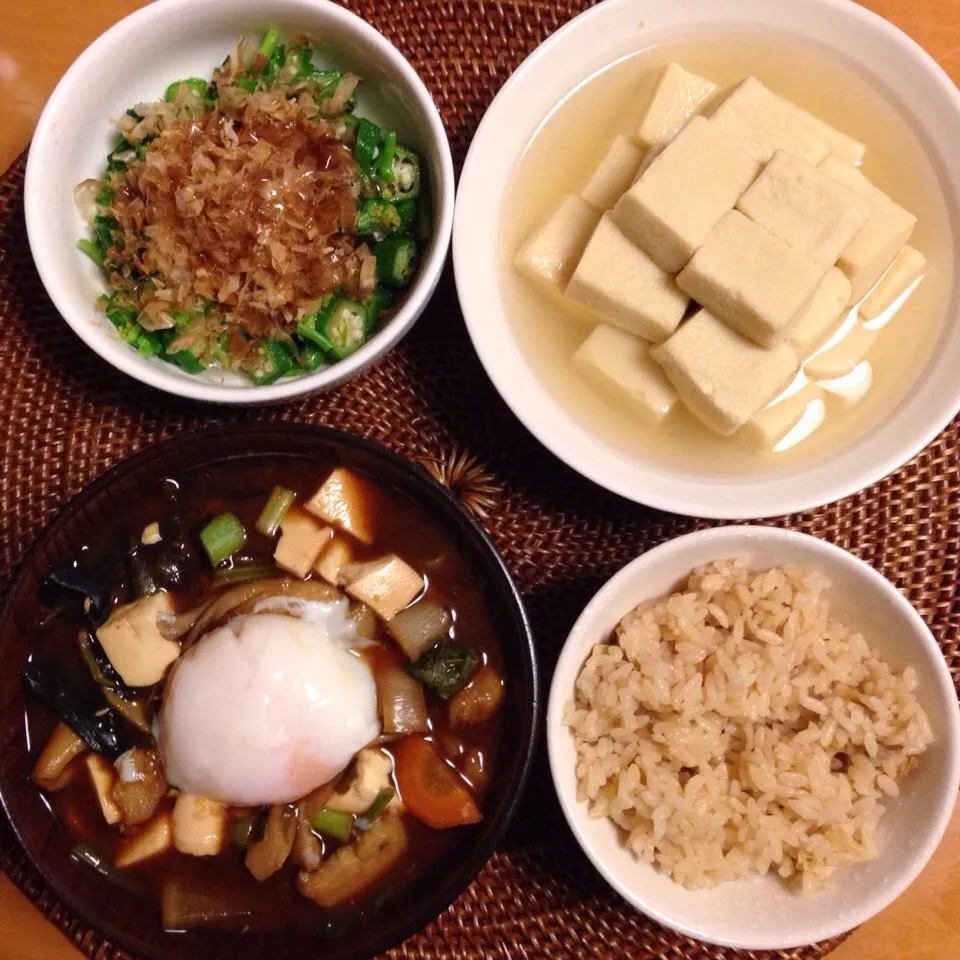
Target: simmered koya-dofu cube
{"points": [[722, 377], [881, 238], [806, 208], [906, 270], [750, 279], [553, 252], [620, 283], [621, 364], [822, 315], [614, 174], [762, 122], [683, 194], [678, 96]]}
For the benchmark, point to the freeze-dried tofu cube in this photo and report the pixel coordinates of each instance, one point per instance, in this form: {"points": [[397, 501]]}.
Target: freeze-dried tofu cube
{"points": [[301, 541], [102, 778], [344, 501], [907, 269], [840, 145], [880, 239], [621, 364], [155, 838], [822, 316], [679, 95], [552, 253], [134, 642], [848, 390], [840, 359], [387, 585], [722, 377], [750, 279], [621, 284], [614, 175], [806, 208], [774, 422], [199, 825], [335, 556], [762, 123], [696, 180]]}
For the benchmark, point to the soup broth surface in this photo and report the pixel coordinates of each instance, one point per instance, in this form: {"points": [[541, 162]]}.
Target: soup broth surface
{"points": [[569, 145]]}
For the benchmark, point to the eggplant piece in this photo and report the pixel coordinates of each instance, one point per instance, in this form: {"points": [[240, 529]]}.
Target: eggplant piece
{"points": [[79, 705]]}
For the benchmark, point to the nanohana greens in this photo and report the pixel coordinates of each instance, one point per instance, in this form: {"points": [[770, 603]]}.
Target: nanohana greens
{"points": [[254, 222]]}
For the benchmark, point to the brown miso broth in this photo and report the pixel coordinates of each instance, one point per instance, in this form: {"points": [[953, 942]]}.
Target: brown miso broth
{"points": [[570, 143], [242, 488]]}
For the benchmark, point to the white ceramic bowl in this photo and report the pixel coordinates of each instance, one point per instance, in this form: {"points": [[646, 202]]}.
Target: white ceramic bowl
{"points": [[899, 69], [761, 913], [133, 62]]}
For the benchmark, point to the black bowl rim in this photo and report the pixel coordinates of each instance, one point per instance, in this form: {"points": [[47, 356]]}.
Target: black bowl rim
{"points": [[431, 906]]}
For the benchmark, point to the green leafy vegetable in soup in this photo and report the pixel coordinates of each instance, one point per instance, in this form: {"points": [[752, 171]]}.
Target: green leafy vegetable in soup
{"points": [[253, 222]]}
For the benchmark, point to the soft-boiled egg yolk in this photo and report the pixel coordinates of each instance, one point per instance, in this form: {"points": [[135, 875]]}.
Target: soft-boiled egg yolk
{"points": [[269, 706]]}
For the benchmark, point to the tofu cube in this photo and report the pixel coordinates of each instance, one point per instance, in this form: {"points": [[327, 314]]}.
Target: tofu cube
{"points": [[880, 239], [553, 252], [774, 422], [334, 557], [343, 500], [840, 145], [722, 377], [907, 269], [199, 825], [621, 364], [679, 95], [843, 357], [133, 643], [806, 208], [750, 279], [614, 175], [301, 541], [683, 194], [622, 285], [372, 775], [762, 123], [155, 838], [102, 778], [822, 316], [386, 585]]}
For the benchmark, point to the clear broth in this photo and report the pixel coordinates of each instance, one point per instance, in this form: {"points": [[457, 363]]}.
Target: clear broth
{"points": [[579, 130]]}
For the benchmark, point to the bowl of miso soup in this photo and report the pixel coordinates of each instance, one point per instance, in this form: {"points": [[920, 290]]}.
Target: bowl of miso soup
{"points": [[258, 688], [705, 251]]}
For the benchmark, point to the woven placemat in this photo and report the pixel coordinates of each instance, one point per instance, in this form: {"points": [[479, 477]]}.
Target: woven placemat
{"points": [[66, 416]]}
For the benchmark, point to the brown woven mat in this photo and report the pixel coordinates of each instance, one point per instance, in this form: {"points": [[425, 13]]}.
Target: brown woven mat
{"points": [[66, 416]]}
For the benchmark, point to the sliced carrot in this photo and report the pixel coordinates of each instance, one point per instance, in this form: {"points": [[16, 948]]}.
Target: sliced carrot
{"points": [[430, 788]]}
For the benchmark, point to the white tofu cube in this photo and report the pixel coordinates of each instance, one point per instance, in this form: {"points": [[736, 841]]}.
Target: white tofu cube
{"points": [[822, 316], [679, 95], [774, 422], [722, 377], [301, 541], [762, 123], [553, 252], [343, 500], [386, 585], [750, 279], [683, 194], [133, 642], [199, 825], [621, 365], [907, 269], [841, 359], [614, 175], [881, 238], [622, 285], [806, 208]]}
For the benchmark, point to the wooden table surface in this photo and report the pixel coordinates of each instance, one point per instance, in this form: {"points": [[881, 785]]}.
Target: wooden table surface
{"points": [[39, 40]]}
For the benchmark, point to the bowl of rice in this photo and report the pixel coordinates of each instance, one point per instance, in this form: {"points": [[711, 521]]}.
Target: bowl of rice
{"points": [[754, 737]]}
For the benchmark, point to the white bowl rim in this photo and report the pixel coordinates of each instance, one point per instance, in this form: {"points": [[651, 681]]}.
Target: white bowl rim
{"points": [[574, 652], [583, 461], [400, 324]]}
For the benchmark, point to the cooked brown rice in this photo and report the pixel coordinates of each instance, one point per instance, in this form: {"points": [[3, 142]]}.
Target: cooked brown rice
{"points": [[737, 726]]}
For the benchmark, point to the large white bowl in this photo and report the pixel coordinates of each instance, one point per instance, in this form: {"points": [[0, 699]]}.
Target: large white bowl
{"points": [[133, 62], [896, 65], [761, 913]]}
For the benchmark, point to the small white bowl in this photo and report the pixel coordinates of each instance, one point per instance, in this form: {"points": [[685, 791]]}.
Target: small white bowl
{"points": [[895, 65], [761, 913], [133, 62]]}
